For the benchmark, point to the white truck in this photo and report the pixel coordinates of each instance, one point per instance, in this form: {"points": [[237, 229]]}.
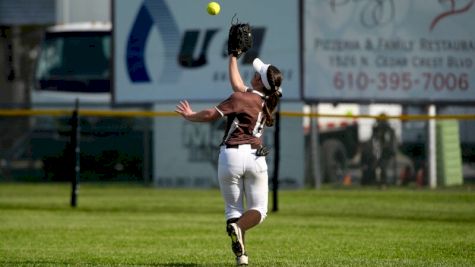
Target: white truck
{"points": [[74, 63]]}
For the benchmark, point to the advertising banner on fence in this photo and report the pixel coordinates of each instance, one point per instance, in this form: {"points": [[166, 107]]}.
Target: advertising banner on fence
{"points": [[166, 50], [389, 51]]}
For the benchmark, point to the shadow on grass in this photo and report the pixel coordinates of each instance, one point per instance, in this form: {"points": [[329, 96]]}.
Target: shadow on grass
{"points": [[192, 209]]}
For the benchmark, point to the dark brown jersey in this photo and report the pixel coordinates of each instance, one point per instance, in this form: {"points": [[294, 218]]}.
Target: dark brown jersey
{"points": [[245, 118]]}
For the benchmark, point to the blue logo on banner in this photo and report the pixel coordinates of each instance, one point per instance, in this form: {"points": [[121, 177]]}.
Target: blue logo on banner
{"points": [[178, 52], [153, 12]]}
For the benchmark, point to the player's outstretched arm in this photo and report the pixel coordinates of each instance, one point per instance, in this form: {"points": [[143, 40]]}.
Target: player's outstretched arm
{"points": [[234, 76], [207, 115]]}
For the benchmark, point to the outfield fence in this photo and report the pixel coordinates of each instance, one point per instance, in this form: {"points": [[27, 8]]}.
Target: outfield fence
{"points": [[117, 145]]}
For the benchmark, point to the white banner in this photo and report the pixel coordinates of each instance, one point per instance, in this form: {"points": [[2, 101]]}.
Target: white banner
{"points": [[389, 50], [166, 50]]}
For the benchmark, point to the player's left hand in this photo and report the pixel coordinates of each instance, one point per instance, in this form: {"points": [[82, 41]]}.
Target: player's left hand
{"points": [[184, 109]]}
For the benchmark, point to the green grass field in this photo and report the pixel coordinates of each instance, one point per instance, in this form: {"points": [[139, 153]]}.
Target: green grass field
{"points": [[130, 225]]}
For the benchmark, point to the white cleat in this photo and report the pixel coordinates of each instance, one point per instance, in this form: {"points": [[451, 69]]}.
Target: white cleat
{"points": [[242, 260], [237, 244]]}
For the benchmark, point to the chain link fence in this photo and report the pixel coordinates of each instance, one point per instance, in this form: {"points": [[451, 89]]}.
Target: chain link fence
{"points": [[117, 146]]}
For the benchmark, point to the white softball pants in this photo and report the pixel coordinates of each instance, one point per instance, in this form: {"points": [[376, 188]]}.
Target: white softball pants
{"points": [[243, 177]]}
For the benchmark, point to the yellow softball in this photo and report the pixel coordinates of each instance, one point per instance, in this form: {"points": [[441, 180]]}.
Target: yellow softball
{"points": [[213, 8]]}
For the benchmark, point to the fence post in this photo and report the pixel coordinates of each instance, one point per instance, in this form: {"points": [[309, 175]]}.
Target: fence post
{"points": [[75, 133], [432, 148], [275, 177]]}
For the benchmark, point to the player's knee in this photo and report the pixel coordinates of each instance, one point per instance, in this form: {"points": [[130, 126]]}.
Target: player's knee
{"points": [[262, 212]]}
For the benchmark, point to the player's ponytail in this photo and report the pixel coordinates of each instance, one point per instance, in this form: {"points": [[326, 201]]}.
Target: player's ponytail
{"points": [[274, 76]]}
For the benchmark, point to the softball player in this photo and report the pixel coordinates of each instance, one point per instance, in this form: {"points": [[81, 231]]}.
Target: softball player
{"points": [[242, 168]]}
